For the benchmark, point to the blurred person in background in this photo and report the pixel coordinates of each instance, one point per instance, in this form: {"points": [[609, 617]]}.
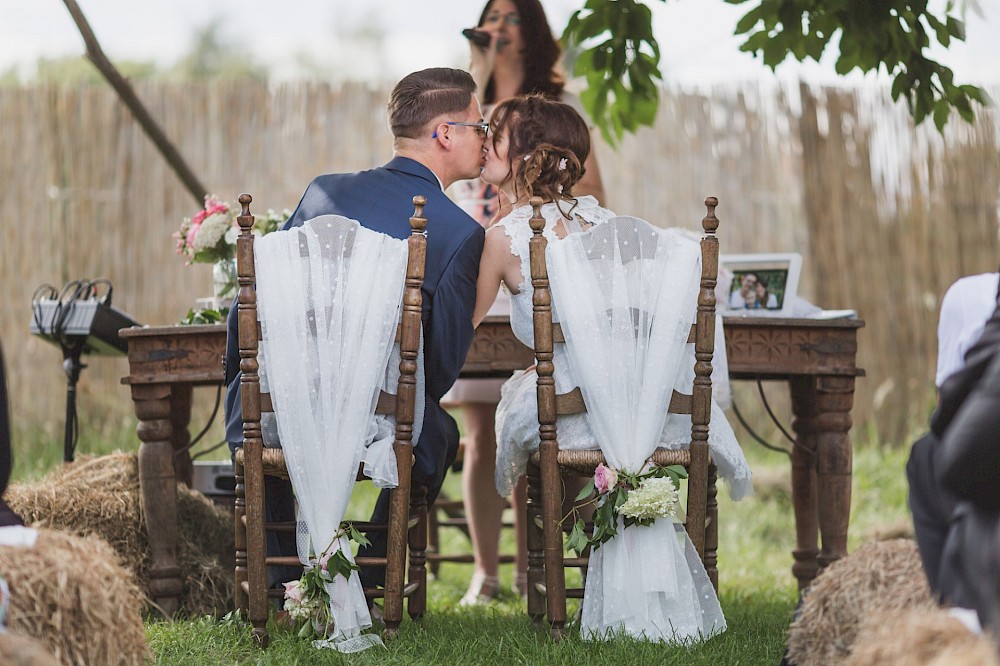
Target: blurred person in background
{"points": [[954, 495], [521, 57]]}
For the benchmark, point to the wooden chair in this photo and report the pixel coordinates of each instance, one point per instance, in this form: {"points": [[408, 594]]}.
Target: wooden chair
{"points": [[450, 512], [547, 591], [406, 528]]}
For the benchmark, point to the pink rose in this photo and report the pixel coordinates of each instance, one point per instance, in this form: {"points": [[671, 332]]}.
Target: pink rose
{"points": [[605, 478], [324, 558], [293, 591], [199, 217]]}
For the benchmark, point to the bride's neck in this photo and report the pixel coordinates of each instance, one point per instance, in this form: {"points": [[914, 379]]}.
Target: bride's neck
{"points": [[516, 202]]}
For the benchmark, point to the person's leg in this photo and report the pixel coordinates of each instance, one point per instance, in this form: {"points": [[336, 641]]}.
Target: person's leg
{"points": [[483, 506], [931, 506]]}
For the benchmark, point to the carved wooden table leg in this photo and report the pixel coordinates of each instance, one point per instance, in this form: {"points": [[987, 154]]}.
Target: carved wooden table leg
{"points": [[180, 416], [834, 399], [158, 490], [803, 391]]}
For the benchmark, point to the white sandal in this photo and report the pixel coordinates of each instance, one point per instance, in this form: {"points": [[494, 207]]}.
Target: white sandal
{"points": [[482, 590]]}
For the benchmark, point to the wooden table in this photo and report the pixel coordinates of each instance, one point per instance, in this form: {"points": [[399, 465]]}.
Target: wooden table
{"points": [[816, 357]]}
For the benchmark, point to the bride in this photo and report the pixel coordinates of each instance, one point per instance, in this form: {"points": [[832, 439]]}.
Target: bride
{"points": [[538, 148]]}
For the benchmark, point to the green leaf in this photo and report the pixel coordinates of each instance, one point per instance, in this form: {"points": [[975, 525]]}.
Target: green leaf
{"points": [[749, 20], [577, 539], [306, 630], [587, 491]]}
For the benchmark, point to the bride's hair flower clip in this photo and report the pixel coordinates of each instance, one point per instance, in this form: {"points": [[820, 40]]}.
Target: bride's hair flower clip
{"points": [[527, 157], [562, 165]]}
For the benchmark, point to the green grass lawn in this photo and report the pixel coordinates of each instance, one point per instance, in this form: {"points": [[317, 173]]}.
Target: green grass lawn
{"points": [[758, 594]]}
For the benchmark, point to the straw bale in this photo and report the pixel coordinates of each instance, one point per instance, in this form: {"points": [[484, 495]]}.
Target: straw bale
{"points": [[100, 496], [71, 593], [908, 637], [17, 650], [883, 575]]}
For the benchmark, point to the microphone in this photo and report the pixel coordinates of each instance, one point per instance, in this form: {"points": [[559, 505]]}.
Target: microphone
{"points": [[477, 37]]}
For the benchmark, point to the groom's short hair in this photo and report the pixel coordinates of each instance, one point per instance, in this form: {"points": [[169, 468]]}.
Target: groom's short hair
{"points": [[422, 96]]}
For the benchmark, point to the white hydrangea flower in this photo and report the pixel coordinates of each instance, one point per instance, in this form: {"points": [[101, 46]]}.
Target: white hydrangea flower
{"points": [[212, 230], [654, 498]]}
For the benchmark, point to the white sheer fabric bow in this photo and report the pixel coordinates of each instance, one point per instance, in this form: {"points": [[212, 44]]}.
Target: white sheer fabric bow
{"points": [[626, 293], [329, 296]]}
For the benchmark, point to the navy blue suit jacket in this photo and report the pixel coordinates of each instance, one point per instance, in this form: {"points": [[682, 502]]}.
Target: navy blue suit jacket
{"points": [[382, 200]]}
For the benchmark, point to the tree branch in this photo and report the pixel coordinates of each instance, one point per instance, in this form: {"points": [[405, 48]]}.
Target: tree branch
{"points": [[127, 95]]}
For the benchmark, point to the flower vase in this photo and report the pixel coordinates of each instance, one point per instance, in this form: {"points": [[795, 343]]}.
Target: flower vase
{"points": [[224, 279]]}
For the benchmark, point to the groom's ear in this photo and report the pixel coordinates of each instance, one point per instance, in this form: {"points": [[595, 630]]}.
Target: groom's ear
{"points": [[441, 132]]}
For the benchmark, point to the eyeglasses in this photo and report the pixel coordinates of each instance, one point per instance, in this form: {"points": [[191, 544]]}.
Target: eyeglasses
{"points": [[482, 129], [509, 19]]}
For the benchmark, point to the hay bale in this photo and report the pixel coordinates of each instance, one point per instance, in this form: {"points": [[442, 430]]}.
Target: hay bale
{"points": [[71, 594], [100, 496], [909, 637], [16, 650], [884, 575]]}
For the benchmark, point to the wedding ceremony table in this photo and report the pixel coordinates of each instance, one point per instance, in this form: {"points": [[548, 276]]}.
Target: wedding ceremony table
{"points": [[816, 357]]}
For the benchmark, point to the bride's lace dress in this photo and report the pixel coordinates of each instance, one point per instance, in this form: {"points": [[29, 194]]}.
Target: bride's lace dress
{"points": [[517, 414], [647, 581]]}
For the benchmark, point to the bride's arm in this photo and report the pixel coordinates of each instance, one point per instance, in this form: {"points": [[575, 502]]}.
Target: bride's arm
{"points": [[494, 268]]}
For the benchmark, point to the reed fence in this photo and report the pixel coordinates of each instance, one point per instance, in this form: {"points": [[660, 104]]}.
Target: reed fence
{"points": [[885, 215]]}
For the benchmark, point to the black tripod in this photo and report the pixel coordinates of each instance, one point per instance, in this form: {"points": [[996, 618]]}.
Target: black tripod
{"points": [[72, 349]]}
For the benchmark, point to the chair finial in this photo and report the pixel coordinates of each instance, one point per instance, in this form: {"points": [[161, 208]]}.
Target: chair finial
{"points": [[418, 222], [537, 222], [245, 219], [710, 223]]}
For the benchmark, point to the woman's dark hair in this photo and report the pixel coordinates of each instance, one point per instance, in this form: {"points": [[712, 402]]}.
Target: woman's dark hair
{"points": [[541, 52], [548, 142]]}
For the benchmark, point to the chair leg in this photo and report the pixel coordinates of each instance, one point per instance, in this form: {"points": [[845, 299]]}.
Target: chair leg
{"points": [[536, 558], [240, 600], [712, 529], [399, 505], [416, 605], [256, 546], [433, 539], [552, 535]]}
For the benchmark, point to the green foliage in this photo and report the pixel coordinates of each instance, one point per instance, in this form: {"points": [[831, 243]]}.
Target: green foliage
{"points": [[212, 57], [890, 35], [610, 503], [620, 66], [204, 316], [615, 51]]}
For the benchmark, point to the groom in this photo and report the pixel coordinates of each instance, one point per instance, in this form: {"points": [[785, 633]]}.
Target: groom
{"points": [[438, 135]]}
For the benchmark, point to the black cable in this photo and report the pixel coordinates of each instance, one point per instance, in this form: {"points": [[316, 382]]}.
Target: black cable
{"points": [[760, 440], [760, 389], [211, 420]]}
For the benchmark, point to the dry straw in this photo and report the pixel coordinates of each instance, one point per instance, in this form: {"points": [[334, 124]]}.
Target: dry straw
{"points": [[16, 650], [100, 496], [908, 637], [70, 593], [880, 576]]}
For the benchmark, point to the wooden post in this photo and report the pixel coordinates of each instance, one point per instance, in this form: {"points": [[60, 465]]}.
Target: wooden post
{"points": [[253, 444]]}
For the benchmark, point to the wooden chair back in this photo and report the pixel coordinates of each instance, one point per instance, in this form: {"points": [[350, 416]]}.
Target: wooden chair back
{"points": [[545, 545], [407, 515]]}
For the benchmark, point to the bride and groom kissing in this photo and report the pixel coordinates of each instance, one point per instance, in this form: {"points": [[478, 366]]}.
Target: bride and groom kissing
{"points": [[538, 148]]}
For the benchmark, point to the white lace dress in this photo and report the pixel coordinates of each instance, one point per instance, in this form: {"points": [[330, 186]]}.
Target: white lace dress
{"points": [[517, 413]]}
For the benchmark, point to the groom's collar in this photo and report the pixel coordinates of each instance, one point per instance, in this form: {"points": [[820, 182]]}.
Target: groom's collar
{"points": [[414, 168]]}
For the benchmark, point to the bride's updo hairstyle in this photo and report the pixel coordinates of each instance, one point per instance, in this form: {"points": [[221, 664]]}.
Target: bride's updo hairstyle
{"points": [[548, 142]]}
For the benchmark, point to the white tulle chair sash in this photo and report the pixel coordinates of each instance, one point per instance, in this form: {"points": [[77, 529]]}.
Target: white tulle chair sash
{"points": [[329, 296], [625, 345]]}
